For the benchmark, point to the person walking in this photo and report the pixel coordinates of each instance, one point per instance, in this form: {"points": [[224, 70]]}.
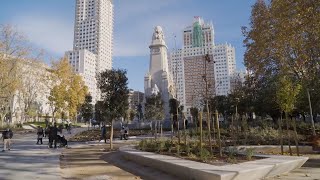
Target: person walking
{"points": [[7, 136], [69, 127], [53, 133], [46, 131], [103, 133], [47, 123], [40, 134]]}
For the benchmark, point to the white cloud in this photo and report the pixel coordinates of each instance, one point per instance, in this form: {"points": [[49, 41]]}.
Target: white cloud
{"points": [[48, 33]]}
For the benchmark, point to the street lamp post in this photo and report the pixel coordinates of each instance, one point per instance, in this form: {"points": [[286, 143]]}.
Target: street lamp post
{"points": [[311, 116]]}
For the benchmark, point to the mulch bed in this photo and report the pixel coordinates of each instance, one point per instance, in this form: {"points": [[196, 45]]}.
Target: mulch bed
{"points": [[94, 134]]}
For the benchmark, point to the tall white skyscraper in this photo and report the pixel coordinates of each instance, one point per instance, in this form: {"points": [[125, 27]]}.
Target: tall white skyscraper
{"points": [[187, 65], [225, 68], [93, 41]]}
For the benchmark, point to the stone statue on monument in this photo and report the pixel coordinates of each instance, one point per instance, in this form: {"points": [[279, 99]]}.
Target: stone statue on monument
{"points": [[158, 33]]}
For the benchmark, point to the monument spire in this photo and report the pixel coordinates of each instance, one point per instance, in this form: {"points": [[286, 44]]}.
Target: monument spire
{"points": [[158, 78]]}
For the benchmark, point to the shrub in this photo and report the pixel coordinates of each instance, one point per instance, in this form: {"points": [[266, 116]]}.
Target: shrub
{"points": [[168, 145], [192, 156], [19, 125], [204, 154], [232, 160], [151, 145], [160, 145], [187, 149], [249, 153], [143, 144], [191, 133], [263, 135], [178, 149], [232, 152]]}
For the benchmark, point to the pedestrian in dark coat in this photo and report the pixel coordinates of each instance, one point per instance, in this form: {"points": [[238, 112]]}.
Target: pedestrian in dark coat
{"points": [[7, 136], [53, 133], [103, 133], [40, 134]]}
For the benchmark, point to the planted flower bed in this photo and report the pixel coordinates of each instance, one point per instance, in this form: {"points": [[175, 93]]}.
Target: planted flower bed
{"points": [[192, 151]]}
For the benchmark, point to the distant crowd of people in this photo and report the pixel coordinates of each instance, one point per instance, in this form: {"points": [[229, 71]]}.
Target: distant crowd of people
{"points": [[124, 133], [53, 133]]}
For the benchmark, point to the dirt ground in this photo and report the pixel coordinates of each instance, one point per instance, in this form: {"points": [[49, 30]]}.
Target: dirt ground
{"points": [[95, 162]]}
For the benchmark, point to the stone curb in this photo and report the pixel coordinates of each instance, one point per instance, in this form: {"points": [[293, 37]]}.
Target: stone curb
{"points": [[185, 169]]}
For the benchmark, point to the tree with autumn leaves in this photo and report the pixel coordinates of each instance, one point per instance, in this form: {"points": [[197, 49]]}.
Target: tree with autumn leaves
{"points": [[282, 56], [68, 90]]}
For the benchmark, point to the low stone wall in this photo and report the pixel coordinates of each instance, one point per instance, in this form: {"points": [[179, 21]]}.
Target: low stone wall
{"points": [[191, 170]]}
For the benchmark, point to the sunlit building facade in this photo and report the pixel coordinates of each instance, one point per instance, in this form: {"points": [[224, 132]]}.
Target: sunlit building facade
{"points": [[93, 41], [188, 68]]}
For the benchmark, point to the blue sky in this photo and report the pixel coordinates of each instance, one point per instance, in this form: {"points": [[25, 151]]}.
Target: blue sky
{"points": [[49, 25]]}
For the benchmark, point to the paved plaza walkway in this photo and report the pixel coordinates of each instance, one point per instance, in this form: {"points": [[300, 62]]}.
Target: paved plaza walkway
{"points": [[309, 171], [26, 160]]}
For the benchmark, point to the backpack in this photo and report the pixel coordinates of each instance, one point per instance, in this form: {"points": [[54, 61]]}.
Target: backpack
{"points": [[4, 134], [9, 134]]}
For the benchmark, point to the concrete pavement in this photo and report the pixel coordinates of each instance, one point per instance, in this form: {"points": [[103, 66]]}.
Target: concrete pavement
{"points": [[27, 160]]}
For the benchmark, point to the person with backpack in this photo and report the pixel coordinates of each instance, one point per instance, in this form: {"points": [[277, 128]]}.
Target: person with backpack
{"points": [[7, 136]]}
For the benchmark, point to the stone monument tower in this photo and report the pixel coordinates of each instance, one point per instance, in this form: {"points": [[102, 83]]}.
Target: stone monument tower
{"points": [[158, 79]]}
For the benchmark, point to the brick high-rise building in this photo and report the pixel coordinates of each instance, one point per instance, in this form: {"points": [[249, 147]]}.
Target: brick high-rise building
{"points": [[187, 65]]}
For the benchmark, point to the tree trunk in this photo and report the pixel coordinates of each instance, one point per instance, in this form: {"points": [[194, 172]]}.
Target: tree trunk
{"points": [[53, 116], [172, 128], [280, 133], [200, 114], [179, 135], [213, 126], [233, 131], [218, 131], [209, 129], [2, 119], [295, 135], [236, 127], [304, 118], [155, 130], [111, 135], [245, 127], [184, 130], [195, 120], [76, 118], [161, 130], [288, 133]]}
